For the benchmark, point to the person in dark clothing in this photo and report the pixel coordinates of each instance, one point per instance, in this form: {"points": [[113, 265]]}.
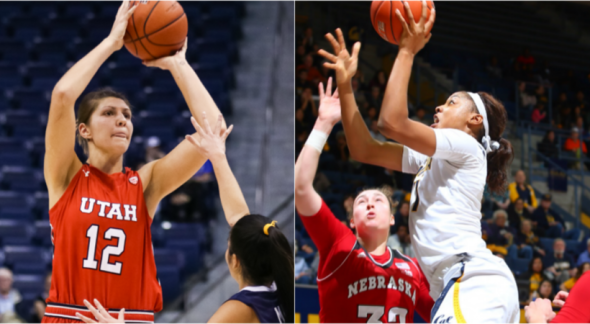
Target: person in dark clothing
{"points": [[560, 265], [401, 216], [548, 222], [517, 213], [500, 234], [548, 146], [526, 236]]}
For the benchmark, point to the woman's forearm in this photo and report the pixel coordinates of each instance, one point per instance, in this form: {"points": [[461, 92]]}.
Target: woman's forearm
{"points": [[75, 81], [232, 199], [394, 109]]}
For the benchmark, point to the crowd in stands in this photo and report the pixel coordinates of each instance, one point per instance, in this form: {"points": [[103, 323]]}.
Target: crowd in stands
{"points": [[517, 225]]}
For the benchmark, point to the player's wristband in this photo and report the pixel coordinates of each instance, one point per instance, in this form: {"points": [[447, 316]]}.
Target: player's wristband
{"points": [[317, 139]]}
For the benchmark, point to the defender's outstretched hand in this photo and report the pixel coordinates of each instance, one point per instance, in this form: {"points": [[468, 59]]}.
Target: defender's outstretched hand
{"points": [[414, 35], [343, 63], [166, 62], [329, 111], [101, 314], [210, 142], [120, 25]]}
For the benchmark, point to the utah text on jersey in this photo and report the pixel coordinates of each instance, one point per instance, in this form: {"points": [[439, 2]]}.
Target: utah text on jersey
{"points": [[378, 282], [114, 211]]}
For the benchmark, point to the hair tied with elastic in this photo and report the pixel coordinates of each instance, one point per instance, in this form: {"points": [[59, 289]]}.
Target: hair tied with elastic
{"points": [[269, 225]]}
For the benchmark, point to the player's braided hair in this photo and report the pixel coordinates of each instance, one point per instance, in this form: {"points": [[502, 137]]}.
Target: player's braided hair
{"points": [[265, 258], [87, 107], [500, 159]]}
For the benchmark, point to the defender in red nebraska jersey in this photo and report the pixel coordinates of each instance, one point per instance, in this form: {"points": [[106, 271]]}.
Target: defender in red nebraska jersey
{"points": [[101, 233], [355, 286]]}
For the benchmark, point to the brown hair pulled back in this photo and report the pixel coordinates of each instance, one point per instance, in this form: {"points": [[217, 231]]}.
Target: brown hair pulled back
{"points": [[385, 190], [87, 107]]}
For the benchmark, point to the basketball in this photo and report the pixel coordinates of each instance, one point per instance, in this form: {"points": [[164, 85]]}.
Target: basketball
{"points": [[387, 24], [156, 29]]}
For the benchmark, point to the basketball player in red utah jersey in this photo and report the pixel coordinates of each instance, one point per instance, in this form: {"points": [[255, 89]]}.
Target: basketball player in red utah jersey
{"points": [[100, 216], [360, 279]]}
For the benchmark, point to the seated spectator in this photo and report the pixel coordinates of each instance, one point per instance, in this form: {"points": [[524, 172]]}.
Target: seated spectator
{"points": [[299, 54], [340, 150], [421, 117], [543, 75], [535, 274], [548, 146], [303, 273], [562, 108], [307, 39], [584, 256], [583, 133], [401, 216], [581, 101], [380, 81], [372, 115], [313, 74], [541, 95], [560, 265], [302, 82], [517, 213], [494, 201], [500, 235], [539, 113], [545, 291], [526, 60], [359, 95], [493, 68], [9, 297], [401, 241], [375, 98], [569, 284], [307, 105], [526, 99], [40, 303], [548, 222], [375, 133], [572, 144], [526, 236], [153, 151], [519, 189]]}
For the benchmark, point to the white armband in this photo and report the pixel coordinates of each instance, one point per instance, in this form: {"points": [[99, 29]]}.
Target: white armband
{"points": [[317, 140]]}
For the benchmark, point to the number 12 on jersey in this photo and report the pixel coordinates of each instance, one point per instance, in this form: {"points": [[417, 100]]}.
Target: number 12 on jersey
{"points": [[107, 252], [395, 314]]}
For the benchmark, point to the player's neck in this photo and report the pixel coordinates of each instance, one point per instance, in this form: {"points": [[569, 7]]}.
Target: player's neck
{"points": [[106, 163], [375, 247]]}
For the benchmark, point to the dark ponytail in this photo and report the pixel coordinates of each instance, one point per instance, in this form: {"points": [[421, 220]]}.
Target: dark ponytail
{"points": [[265, 258], [500, 159]]}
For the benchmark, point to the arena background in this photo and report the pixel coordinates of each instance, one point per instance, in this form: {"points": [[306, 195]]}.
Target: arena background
{"points": [[243, 53], [476, 46]]}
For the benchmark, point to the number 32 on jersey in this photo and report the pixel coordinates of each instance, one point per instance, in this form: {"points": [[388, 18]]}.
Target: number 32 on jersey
{"points": [[374, 314], [415, 200]]}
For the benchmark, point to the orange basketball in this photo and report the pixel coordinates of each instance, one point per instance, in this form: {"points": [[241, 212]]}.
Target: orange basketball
{"points": [[156, 29], [385, 20]]}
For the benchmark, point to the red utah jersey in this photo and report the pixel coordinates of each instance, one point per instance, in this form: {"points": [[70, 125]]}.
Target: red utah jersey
{"points": [[355, 286], [103, 248]]}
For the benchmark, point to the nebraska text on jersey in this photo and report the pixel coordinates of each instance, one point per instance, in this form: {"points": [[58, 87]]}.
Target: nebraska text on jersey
{"points": [[378, 282], [114, 210]]}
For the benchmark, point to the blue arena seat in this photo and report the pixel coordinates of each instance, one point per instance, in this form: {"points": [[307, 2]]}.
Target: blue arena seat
{"points": [[21, 179], [9, 75], [16, 232], [25, 255], [31, 100], [42, 234], [53, 52], [15, 159], [169, 277], [29, 286]]}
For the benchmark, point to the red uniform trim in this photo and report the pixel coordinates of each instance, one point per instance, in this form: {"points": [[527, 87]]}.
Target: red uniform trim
{"points": [[69, 312]]}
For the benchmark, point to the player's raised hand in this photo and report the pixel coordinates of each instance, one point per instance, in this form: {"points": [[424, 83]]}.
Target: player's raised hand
{"points": [[560, 298], [329, 110], [539, 311], [166, 62], [101, 314], [210, 142], [120, 25], [343, 62], [415, 35]]}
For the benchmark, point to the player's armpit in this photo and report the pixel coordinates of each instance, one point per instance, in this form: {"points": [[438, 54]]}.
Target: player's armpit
{"points": [[233, 311]]}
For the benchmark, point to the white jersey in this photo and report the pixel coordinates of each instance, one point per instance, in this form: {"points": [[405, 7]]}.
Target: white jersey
{"points": [[445, 218]]}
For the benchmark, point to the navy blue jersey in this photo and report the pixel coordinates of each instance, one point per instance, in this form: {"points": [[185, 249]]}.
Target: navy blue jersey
{"points": [[264, 301]]}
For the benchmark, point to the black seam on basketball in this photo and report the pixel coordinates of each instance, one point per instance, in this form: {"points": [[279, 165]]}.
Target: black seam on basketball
{"points": [[391, 20], [375, 17], [134, 45], [146, 36], [135, 27]]}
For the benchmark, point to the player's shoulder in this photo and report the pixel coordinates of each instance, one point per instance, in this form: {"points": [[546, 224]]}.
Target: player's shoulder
{"points": [[234, 311]]}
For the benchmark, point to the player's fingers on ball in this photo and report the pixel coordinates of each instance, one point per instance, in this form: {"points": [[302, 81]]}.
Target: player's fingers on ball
{"points": [[409, 12], [84, 318], [402, 20], [430, 21], [130, 12], [333, 42], [424, 12]]}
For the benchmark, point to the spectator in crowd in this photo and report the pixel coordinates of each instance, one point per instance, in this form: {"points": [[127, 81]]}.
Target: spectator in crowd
{"points": [[376, 98], [522, 249], [421, 117], [562, 108], [494, 201], [402, 215], [584, 256], [307, 39], [535, 275], [519, 189], [548, 146], [581, 101], [544, 74], [517, 213], [493, 68], [539, 113], [545, 291], [380, 81], [577, 113], [153, 150], [401, 241], [560, 265], [526, 61], [580, 270], [299, 54], [526, 99], [500, 235], [372, 115], [340, 150], [302, 82], [526, 237], [548, 222], [9, 297], [301, 129], [541, 95], [359, 95], [303, 272], [306, 103], [313, 74], [375, 133], [574, 145], [40, 303], [583, 133]]}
